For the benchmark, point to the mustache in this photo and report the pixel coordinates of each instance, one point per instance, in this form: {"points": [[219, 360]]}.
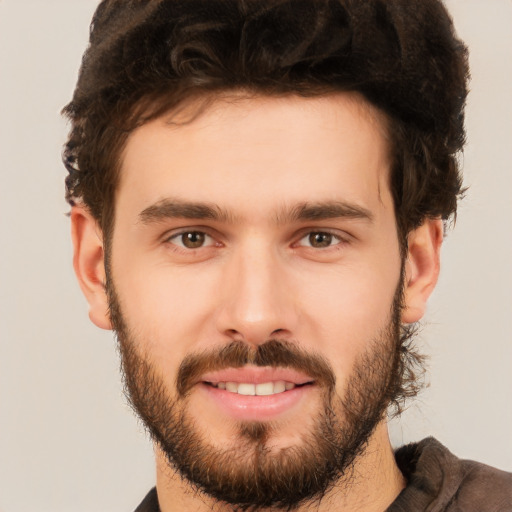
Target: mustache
{"points": [[274, 353]]}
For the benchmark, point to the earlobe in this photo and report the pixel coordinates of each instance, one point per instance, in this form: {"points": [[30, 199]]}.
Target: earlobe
{"points": [[88, 262], [421, 268]]}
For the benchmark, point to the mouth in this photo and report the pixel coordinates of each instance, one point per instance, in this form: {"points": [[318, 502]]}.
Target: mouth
{"points": [[255, 393], [261, 389]]}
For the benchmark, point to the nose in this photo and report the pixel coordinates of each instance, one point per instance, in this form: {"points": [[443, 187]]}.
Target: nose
{"points": [[257, 301]]}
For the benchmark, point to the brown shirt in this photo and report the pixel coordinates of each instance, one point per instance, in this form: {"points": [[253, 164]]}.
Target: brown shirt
{"points": [[437, 481]]}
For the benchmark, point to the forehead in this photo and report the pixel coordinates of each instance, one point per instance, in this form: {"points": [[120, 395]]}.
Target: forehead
{"points": [[249, 153]]}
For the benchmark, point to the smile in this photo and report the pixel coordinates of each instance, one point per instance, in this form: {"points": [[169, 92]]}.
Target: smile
{"points": [[255, 393], [248, 389]]}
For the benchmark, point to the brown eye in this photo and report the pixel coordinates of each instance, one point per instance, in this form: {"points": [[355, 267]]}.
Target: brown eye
{"points": [[193, 239], [320, 240]]}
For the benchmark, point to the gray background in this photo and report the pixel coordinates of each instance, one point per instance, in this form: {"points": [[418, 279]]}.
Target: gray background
{"points": [[68, 442]]}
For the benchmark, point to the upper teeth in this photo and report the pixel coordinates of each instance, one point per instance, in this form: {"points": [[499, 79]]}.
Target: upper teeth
{"points": [[265, 388]]}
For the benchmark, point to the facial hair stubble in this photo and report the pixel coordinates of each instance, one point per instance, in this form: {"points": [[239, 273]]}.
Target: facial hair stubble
{"points": [[250, 475]]}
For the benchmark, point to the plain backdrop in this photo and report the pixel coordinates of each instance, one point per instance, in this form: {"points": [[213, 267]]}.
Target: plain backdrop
{"points": [[68, 441]]}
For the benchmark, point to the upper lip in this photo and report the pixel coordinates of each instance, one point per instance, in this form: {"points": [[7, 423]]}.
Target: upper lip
{"points": [[256, 375]]}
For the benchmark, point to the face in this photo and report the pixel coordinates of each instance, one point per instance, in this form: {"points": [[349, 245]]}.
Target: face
{"points": [[255, 285]]}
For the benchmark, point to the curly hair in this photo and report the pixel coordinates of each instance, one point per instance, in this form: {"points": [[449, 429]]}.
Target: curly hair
{"points": [[145, 57]]}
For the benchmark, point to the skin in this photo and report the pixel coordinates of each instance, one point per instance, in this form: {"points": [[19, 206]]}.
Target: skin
{"points": [[257, 275]]}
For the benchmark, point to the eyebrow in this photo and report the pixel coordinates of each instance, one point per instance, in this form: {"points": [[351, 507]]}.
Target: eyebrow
{"points": [[176, 208], [325, 210]]}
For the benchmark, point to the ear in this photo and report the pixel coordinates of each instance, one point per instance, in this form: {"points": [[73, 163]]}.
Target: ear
{"points": [[88, 262], [421, 268]]}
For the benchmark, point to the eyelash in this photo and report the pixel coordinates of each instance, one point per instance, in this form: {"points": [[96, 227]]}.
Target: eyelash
{"points": [[179, 245], [340, 240]]}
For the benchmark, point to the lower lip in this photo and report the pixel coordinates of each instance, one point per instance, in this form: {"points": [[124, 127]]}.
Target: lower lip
{"points": [[254, 407]]}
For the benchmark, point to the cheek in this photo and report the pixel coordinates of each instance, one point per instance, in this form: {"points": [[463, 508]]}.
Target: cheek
{"points": [[348, 310], [166, 307]]}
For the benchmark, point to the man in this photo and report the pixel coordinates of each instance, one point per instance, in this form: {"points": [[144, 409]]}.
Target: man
{"points": [[258, 192]]}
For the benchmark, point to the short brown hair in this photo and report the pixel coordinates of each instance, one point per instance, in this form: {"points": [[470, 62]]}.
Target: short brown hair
{"points": [[147, 56]]}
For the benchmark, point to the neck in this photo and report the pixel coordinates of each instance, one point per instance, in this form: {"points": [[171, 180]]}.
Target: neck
{"points": [[372, 486]]}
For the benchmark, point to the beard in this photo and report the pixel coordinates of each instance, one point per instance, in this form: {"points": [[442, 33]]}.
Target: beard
{"points": [[251, 474]]}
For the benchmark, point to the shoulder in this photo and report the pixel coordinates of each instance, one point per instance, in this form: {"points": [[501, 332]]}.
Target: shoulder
{"points": [[149, 503], [484, 488], [438, 480]]}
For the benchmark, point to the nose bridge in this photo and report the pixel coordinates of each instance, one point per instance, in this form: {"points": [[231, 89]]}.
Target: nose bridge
{"points": [[257, 304]]}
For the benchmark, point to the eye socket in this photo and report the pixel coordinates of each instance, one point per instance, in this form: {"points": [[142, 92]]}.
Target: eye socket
{"points": [[191, 239], [195, 239], [319, 240]]}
